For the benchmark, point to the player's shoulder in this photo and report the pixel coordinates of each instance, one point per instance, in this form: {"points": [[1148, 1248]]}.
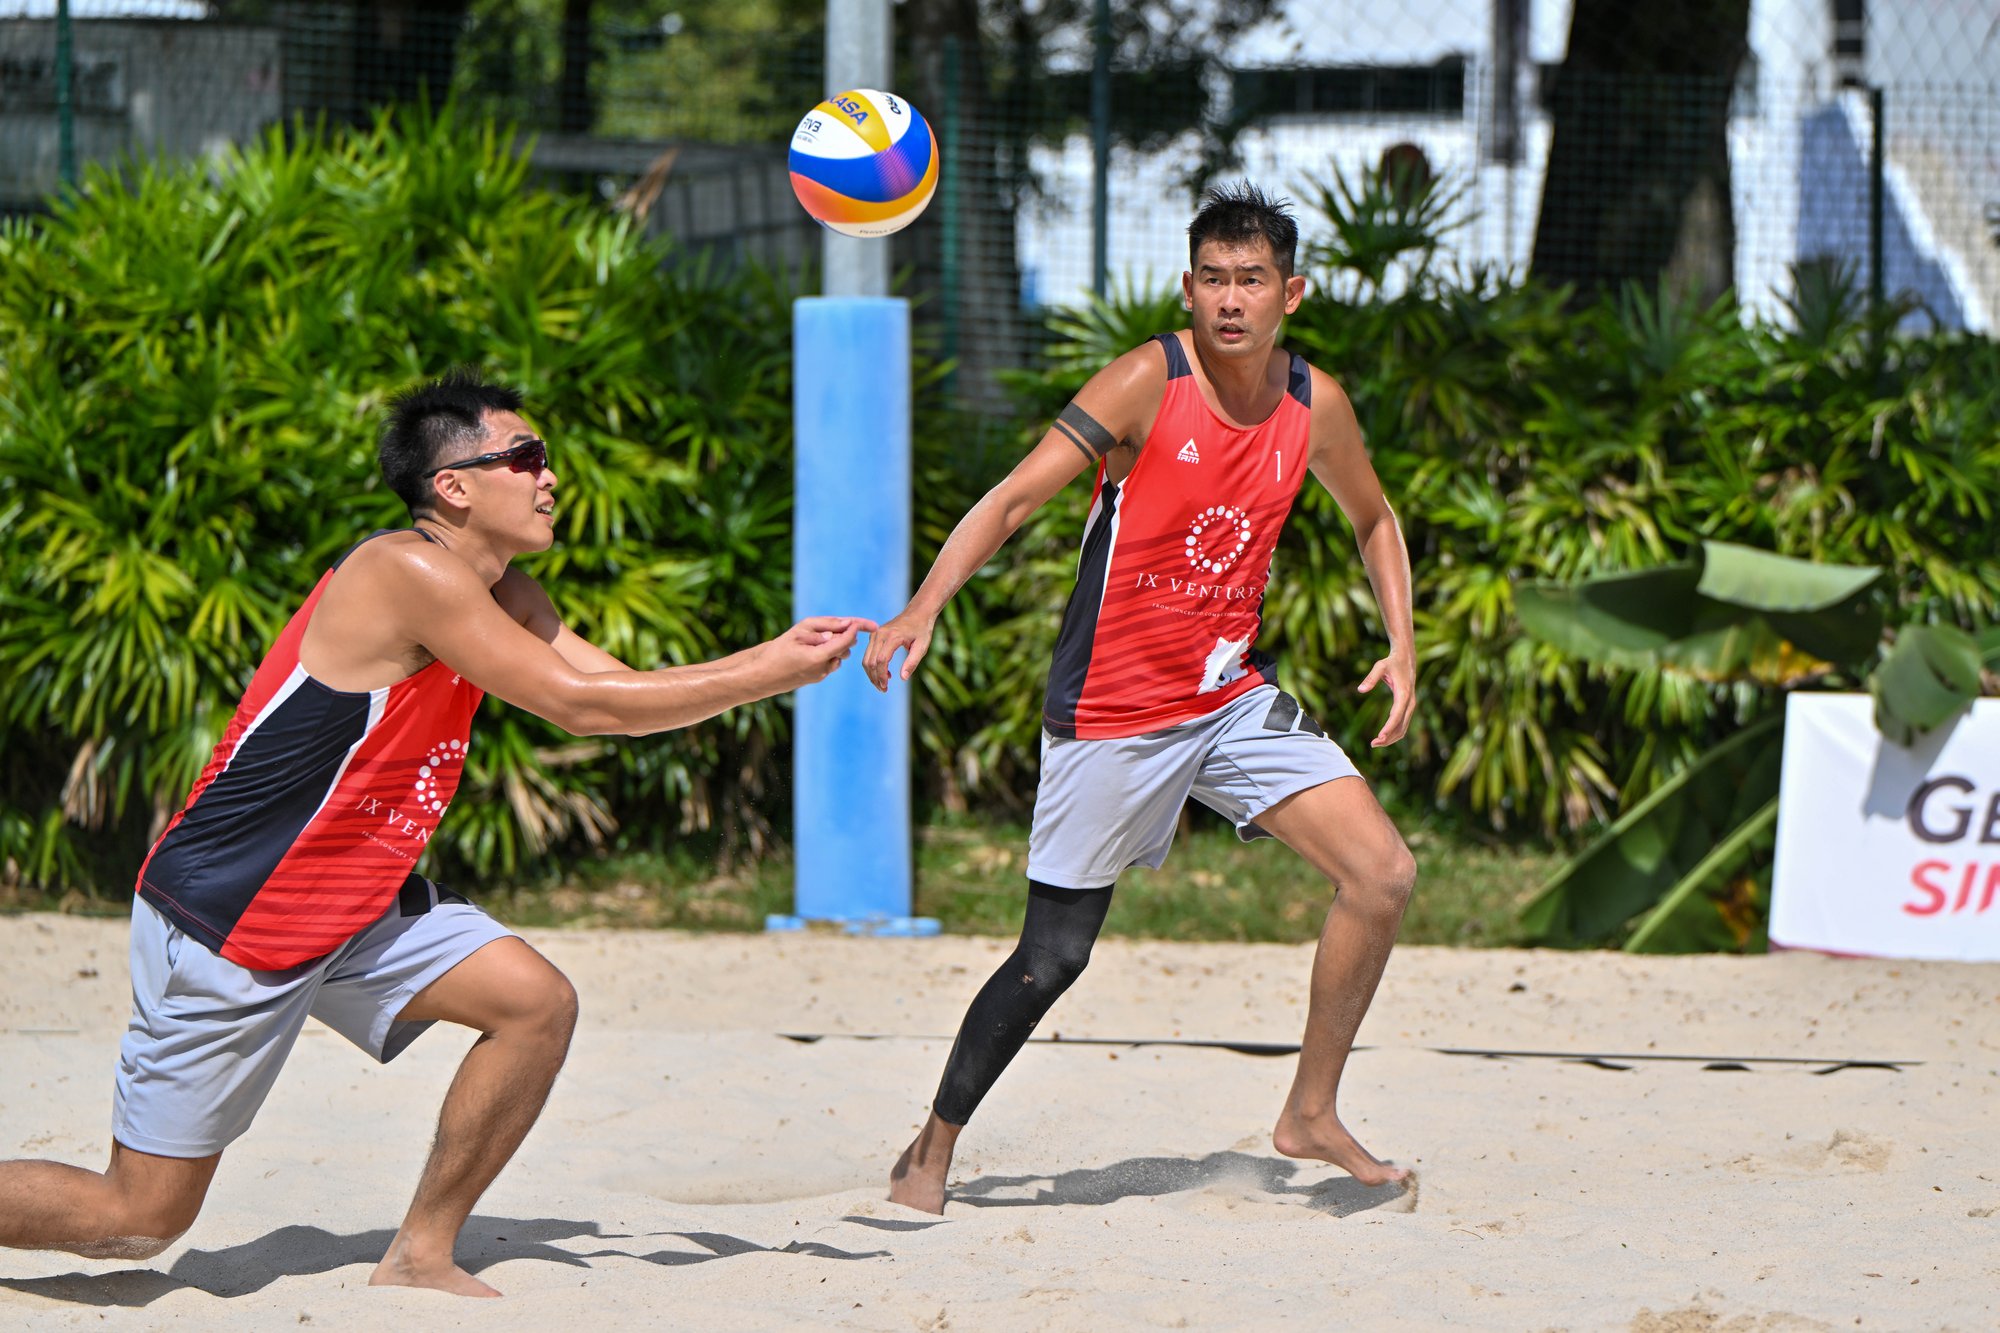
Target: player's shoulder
{"points": [[1146, 361], [1139, 372], [1327, 393], [402, 563], [1321, 379], [521, 597]]}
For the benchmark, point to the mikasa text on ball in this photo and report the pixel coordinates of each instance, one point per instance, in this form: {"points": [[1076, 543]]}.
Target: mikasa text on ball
{"points": [[864, 163]]}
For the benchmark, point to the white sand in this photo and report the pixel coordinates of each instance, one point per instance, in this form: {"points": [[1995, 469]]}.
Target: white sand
{"points": [[697, 1170]]}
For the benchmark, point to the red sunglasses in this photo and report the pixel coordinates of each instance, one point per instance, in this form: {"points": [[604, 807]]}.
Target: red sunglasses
{"points": [[531, 456]]}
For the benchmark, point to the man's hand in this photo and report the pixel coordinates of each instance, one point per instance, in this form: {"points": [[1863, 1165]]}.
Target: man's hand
{"points": [[910, 630], [811, 650], [1401, 673]]}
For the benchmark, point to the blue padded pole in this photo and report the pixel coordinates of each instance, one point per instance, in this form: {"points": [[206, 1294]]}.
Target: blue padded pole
{"points": [[851, 556]]}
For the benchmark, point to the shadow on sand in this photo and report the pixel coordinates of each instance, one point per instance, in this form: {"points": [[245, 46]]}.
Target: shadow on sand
{"points": [[302, 1251], [1150, 1177]]}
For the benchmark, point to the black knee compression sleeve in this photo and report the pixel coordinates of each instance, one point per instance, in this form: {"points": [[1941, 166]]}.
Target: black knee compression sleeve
{"points": [[1056, 935]]}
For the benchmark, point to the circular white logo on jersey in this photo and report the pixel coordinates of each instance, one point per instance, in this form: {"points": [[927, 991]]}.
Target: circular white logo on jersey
{"points": [[430, 774], [1216, 538]]}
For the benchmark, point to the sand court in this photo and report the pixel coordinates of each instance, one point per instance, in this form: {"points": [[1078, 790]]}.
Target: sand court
{"points": [[697, 1167]]}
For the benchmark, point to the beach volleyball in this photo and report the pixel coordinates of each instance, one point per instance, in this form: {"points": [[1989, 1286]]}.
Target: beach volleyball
{"points": [[864, 163]]}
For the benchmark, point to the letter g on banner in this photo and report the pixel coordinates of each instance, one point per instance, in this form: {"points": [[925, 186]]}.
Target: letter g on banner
{"points": [[1918, 799]]}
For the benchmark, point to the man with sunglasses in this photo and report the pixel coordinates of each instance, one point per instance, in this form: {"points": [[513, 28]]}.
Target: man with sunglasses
{"points": [[286, 887]]}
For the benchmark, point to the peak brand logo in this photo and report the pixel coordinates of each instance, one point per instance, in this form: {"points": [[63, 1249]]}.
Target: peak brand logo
{"points": [[1188, 453]]}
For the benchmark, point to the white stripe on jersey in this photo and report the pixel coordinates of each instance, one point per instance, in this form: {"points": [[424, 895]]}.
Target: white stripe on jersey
{"points": [[270, 708], [1111, 555]]}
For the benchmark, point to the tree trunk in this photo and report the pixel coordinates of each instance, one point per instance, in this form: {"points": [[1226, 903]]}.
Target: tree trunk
{"points": [[404, 50], [1638, 183], [576, 112]]}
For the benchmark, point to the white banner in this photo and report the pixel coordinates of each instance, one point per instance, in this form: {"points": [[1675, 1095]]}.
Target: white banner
{"points": [[1885, 851]]}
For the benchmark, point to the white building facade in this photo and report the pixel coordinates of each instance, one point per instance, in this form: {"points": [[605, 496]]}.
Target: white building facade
{"points": [[1376, 73]]}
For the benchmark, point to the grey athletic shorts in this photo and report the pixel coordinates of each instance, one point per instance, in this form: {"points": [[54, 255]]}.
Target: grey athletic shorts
{"points": [[1104, 805], [208, 1037]]}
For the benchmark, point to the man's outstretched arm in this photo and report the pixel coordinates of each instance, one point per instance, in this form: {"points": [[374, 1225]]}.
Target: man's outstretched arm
{"points": [[1105, 413], [442, 605], [528, 602], [1340, 463]]}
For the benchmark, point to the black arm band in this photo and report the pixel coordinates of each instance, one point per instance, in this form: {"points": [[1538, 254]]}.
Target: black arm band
{"points": [[1083, 431]]}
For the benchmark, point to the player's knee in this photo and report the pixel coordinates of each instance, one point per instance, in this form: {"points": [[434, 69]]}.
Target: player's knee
{"points": [[1397, 880], [1385, 890], [556, 1007], [1048, 972], [120, 1247], [540, 1006], [148, 1227], [569, 1007], [145, 1247]]}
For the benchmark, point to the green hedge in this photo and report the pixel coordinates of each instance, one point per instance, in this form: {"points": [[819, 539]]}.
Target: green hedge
{"points": [[193, 362]]}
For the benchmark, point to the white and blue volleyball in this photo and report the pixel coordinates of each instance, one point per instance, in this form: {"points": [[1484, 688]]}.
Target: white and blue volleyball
{"points": [[864, 163]]}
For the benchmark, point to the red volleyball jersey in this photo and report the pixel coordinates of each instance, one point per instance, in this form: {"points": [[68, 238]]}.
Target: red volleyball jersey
{"points": [[1170, 583], [313, 809]]}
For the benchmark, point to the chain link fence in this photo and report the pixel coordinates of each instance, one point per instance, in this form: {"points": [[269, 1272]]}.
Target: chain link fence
{"points": [[1713, 144]]}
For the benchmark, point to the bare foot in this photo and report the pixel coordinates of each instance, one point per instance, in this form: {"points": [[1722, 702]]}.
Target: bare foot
{"points": [[919, 1175], [398, 1269], [1325, 1139]]}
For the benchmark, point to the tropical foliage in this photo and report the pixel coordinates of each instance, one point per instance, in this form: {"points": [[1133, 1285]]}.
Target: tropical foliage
{"points": [[1689, 867], [192, 365]]}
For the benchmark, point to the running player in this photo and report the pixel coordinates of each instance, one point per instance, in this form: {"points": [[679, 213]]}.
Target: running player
{"points": [[1200, 440], [286, 886]]}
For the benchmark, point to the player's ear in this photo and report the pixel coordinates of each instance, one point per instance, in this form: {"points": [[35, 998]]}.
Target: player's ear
{"points": [[450, 491], [1295, 292], [1187, 290]]}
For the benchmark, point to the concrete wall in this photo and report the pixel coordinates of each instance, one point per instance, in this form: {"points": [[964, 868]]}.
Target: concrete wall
{"points": [[140, 87]]}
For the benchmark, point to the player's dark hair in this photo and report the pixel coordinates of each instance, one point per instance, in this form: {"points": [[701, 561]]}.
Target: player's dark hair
{"points": [[1241, 213], [433, 423]]}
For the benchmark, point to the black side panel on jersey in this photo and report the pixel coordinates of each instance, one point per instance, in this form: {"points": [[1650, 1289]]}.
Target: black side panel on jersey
{"points": [[1177, 362], [209, 867], [1079, 622], [1301, 385]]}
